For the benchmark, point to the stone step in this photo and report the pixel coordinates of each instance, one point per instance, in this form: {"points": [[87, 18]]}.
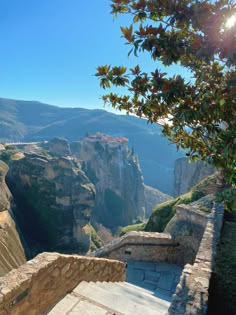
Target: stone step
{"points": [[72, 305], [135, 293], [120, 300], [149, 293]]}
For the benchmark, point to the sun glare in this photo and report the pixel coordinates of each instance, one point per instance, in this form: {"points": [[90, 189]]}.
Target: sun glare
{"points": [[231, 21]]}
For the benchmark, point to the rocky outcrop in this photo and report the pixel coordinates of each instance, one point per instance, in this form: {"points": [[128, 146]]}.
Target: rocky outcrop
{"points": [[153, 197], [75, 147], [2, 147], [12, 254], [115, 171], [59, 146], [187, 174], [54, 202]]}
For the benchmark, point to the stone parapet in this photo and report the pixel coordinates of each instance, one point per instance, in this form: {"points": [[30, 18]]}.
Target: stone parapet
{"points": [[37, 285], [192, 214], [191, 296], [145, 246], [187, 228]]}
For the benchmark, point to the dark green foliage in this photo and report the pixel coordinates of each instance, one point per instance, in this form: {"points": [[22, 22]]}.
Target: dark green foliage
{"points": [[161, 216], [202, 111], [133, 227], [95, 238]]}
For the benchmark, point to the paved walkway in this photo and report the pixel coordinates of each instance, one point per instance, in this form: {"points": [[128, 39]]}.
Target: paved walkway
{"points": [[147, 291], [160, 279]]}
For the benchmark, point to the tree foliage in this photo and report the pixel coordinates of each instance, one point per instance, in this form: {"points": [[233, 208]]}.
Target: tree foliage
{"points": [[201, 112]]}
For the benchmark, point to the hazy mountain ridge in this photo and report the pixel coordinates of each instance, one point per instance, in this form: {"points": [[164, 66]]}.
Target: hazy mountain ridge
{"points": [[35, 121]]}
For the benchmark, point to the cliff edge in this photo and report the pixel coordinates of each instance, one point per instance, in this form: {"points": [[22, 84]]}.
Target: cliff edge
{"points": [[12, 254]]}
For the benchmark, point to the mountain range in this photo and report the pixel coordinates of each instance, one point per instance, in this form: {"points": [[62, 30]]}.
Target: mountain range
{"points": [[25, 121]]}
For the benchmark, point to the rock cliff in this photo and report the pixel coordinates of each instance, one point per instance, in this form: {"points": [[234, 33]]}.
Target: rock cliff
{"points": [[54, 201], [59, 146], [12, 254], [187, 174], [153, 197], [115, 171]]}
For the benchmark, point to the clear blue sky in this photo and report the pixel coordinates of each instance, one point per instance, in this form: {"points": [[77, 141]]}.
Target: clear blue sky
{"points": [[50, 50]]}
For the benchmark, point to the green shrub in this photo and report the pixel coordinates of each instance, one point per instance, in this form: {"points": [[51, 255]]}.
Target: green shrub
{"points": [[164, 212], [95, 238], [132, 227]]}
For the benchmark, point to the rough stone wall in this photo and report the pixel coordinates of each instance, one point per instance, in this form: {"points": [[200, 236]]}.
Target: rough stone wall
{"points": [[179, 244], [36, 286], [143, 246], [191, 296], [187, 228]]}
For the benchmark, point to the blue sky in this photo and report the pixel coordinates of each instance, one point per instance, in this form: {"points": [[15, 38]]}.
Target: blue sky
{"points": [[50, 50]]}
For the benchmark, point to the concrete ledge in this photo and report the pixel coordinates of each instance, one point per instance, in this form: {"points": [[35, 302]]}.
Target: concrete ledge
{"points": [[37, 285]]}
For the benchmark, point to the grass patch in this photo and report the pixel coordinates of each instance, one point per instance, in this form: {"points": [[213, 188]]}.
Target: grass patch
{"points": [[132, 227], [164, 212]]}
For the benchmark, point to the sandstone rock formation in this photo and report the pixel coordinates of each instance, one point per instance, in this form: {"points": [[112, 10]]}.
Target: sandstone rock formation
{"points": [[2, 147], [54, 201], [187, 174], [115, 171], [153, 197], [75, 147], [59, 146], [12, 254]]}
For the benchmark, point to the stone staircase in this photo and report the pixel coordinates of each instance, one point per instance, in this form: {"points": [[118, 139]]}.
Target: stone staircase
{"points": [[148, 291], [110, 298]]}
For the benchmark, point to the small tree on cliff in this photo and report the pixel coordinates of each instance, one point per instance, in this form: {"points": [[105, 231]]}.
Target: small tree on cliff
{"points": [[200, 36]]}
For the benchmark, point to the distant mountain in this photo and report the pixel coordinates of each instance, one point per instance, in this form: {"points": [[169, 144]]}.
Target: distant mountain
{"points": [[35, 121]]}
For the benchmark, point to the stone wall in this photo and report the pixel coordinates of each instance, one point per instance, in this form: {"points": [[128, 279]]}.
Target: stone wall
{"points": [[191, 296], [187, 228], [37, 285], [145, 246]]}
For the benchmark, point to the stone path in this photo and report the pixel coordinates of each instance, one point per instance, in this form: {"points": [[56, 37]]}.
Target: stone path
{"points": [[147, 291], [160, 279]]}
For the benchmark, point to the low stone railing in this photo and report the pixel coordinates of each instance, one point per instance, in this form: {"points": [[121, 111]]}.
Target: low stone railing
{"points": [[191, 296], [37, 285], [187, 228], [145, 246]]}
